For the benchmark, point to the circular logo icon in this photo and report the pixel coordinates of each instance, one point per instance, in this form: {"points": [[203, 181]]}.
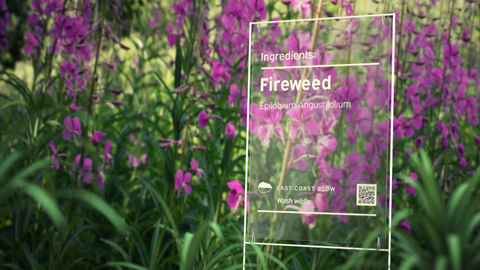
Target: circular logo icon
{"points": [[264, 187]]}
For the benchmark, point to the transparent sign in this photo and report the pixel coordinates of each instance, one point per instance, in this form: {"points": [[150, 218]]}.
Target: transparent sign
{"points": [[319, 144]]}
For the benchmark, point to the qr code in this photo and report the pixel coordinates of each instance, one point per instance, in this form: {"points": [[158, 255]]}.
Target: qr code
{"points": [[367, 194]]}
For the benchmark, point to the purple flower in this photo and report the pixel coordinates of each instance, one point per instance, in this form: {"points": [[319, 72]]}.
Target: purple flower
{"points": [[266, 123], [201, 148], [465, 36], [306, 217], [198, 171], [31, 42], [321, 201], [364, 120], [405, 225], [338, 206], [203, 118], [230, 130], [74, 108], [477, 140], [169, 142], [85, 170], [450, 55], [53, 157], [133, 161], [144, 159], [325, 145], [182, 182], [303, 121], [99, 177], [419, 141], [97, 137], [418, 120], [259, 9], [411, 189], [232, 98], [298, 160], [455, 131], [68, 68], [73, 128], [235, 196], [303, 6], [397, 126], [407, 127], [106, 153], [463, 162], [460, 150], [182, 8]]}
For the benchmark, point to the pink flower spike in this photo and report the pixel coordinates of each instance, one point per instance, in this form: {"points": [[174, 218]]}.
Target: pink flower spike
{"points": [[182, 182], [230, 130], [144, 159]]}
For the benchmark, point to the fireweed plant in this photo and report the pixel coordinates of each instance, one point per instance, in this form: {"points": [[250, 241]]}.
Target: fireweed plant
{"points": [[146, 125]]}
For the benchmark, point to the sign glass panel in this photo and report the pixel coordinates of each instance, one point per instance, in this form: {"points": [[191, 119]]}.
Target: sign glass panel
{"points": [[320, 95]]}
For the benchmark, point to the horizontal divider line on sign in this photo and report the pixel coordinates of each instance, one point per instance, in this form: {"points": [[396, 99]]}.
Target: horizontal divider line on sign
{"points": [[318, 66], [326, 18], [314, 246], [317, 213]]}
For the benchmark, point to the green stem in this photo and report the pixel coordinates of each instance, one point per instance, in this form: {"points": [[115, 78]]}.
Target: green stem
{"points": [[85, 136]]}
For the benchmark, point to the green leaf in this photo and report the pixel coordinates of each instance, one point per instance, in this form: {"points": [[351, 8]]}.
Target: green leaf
{"points": [[100, 205], [221, 255], [118, 248], [192, 243], [441, 263], [164, 206], [178, 65], [45, 199], [126, 264], [21, 102], [454, 249], [7, 163], [28, 255]]}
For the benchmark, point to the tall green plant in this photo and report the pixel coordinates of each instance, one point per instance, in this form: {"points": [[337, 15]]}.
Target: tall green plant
{"points": [[445, 234]]}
